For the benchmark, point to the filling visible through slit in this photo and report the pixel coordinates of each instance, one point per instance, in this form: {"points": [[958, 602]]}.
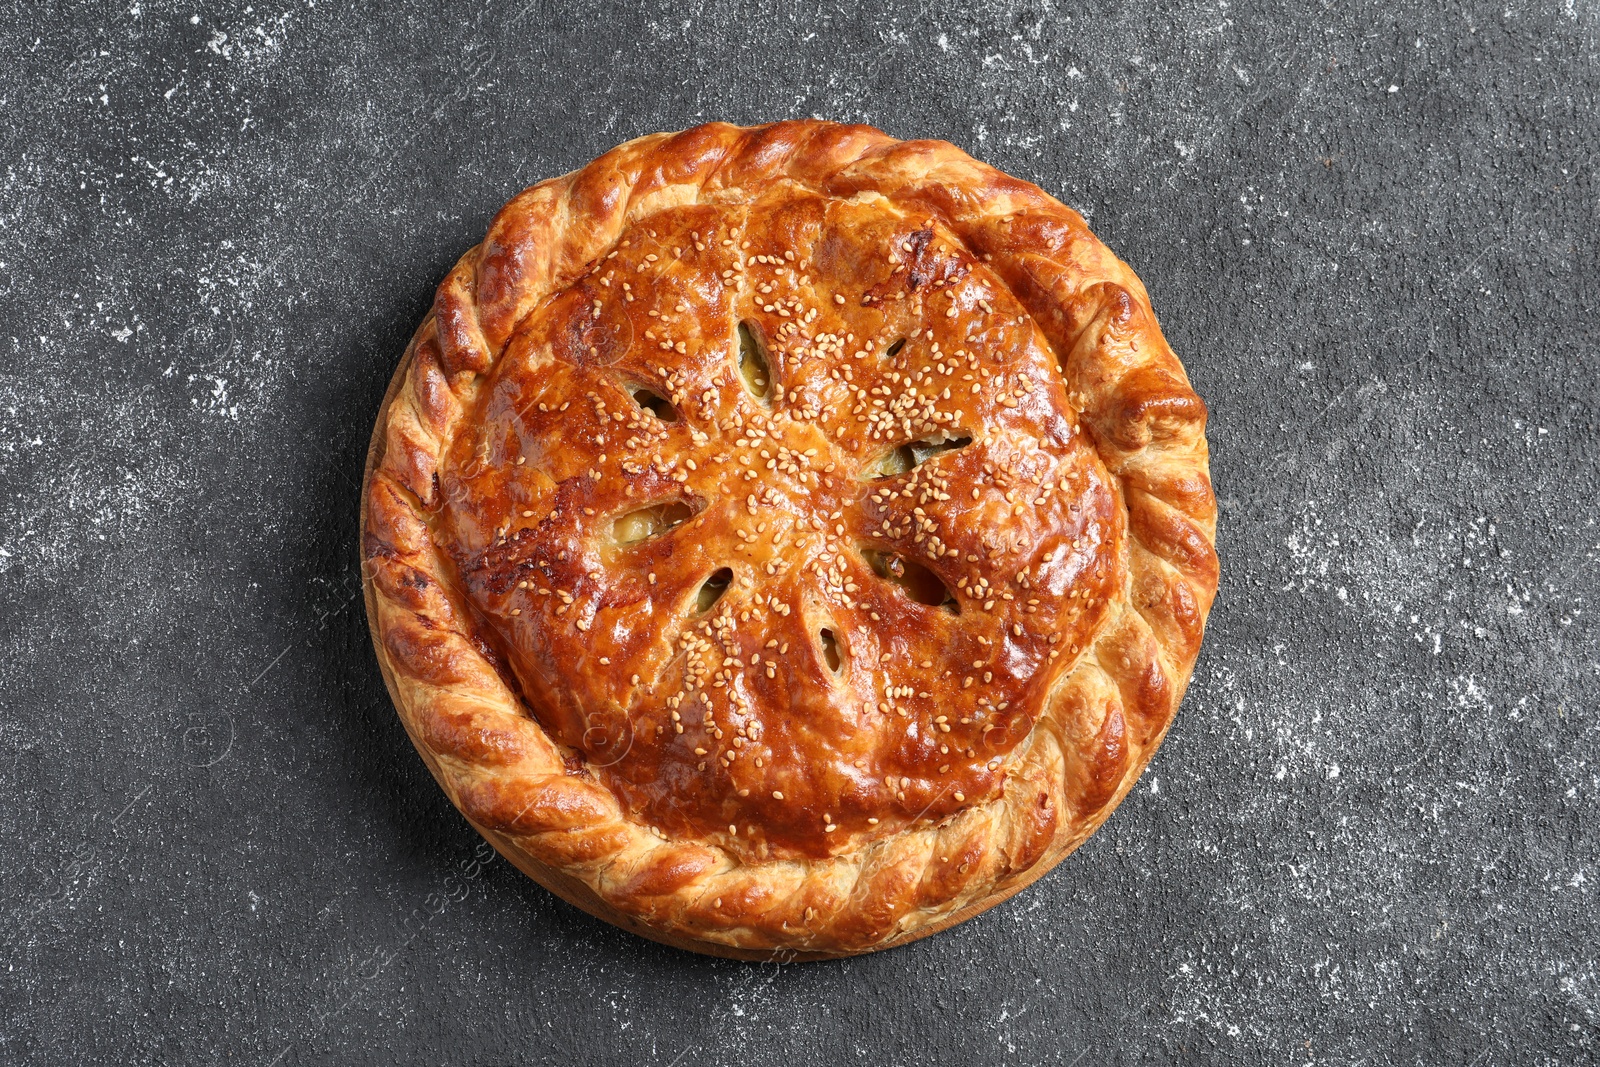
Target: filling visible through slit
{"points": [[912, 455], [753, 367], [653, 402], [830, 649], [712, 588], [919, 583], [649, 522]]}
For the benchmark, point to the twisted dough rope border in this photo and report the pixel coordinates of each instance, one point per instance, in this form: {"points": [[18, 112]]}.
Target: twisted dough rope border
{"points": [[1103, 719]]}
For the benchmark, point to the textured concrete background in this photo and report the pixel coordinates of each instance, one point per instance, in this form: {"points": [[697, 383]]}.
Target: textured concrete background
{"points": [[1372, 836]]}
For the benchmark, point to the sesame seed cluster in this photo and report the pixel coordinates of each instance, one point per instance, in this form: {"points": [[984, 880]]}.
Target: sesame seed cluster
{"points": [[781, 516]]}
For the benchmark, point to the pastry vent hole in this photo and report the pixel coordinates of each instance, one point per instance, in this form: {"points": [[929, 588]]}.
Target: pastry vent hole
{"points": [[918, 582], [753, 367], [653, 402], [711, 590], [830, 649], [914, 454], [650, 522]]}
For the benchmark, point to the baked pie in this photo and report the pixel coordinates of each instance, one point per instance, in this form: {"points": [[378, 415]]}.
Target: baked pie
{"points": [[788, 541]]}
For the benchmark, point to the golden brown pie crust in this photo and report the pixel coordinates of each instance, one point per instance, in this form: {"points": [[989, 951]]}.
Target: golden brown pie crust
{"points": [[788, 541]]}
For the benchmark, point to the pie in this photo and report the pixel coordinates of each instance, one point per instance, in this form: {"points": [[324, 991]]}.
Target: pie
{"points": [[788, 541]]}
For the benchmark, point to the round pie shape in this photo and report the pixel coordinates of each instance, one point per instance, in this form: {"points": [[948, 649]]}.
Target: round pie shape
{"points": [[788, 541]]}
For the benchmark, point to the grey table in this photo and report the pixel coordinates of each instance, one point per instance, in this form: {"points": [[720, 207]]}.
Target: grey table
{"points": [[1373, 835]]}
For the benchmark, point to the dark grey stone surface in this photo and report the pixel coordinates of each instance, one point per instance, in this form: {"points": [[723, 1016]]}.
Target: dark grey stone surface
{"points": [[1370, 231]]}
